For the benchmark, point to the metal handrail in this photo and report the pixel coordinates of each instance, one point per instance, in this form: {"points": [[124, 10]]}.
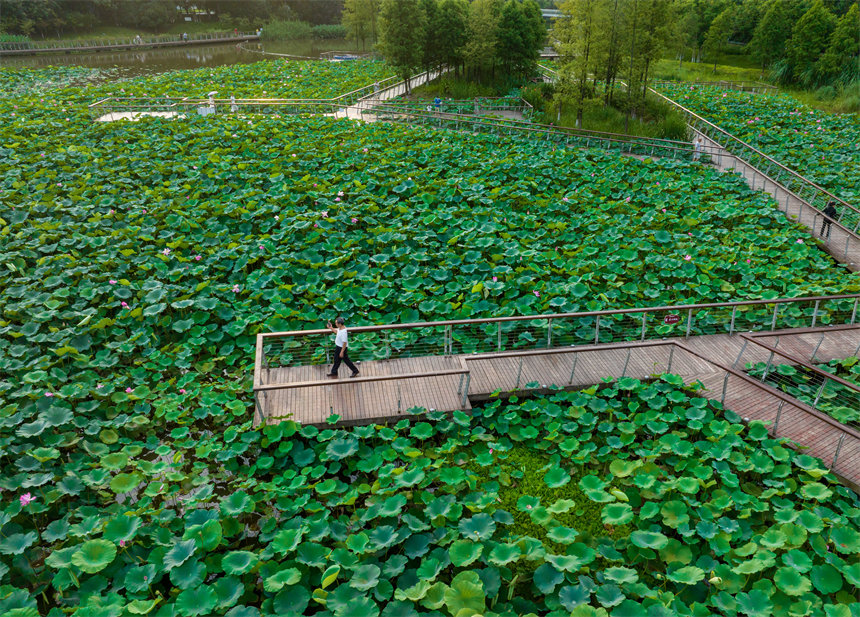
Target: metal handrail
{"points": [[309, 384], [36, 46], [798, 361], [770, 160], [752, 85], [654, 309]]}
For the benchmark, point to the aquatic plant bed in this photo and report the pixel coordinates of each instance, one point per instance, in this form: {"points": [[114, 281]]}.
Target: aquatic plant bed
{"points": [[27, 82], [816, 144], [640, 498], [837, 400]]}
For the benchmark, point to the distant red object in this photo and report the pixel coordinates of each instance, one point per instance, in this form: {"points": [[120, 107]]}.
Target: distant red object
{"points": [[671, 319]]}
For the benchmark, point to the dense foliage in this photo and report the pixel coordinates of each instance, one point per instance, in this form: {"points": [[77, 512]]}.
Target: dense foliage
{"points": [[21, 82], [680, 509], [818, 145]]}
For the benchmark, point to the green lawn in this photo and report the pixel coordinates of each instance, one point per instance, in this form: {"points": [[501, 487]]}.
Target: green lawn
{"points": [[111, 32]]}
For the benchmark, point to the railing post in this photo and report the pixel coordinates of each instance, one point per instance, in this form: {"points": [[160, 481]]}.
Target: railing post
{"points": [[549, 333], [644, 317], [778, 414], [820, 392], [854, 311], [597, 330], [572, 370], [466, 389], [815, 313], [499, 344], [671, 354], [732, 325], [398, 397], [689, 323], [773, 322], [821, 340], [838, 448], [626, 361], [767, 367], [519, 372], [460, 387], [743, 349], [725, 385]]}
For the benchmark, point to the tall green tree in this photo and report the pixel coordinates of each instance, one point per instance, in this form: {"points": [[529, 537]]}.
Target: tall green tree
{"points": [[576, 34], [809, 39], [359, 19], [718, 34], [401, 35], [511, 37], [482, 25], [430, 51], [841, 61], [774, 30], [452, 31]]}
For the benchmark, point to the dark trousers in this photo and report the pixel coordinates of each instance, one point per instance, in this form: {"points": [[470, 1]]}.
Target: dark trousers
{"points": [[825, 226], [345, 360]]}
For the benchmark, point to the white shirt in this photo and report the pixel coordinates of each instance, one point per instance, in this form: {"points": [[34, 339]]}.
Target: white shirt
{"points": [[340, 338]]}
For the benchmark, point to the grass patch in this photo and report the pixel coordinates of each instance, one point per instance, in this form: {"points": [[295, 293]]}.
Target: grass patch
{"points": [[461, 88], [703, 71]]}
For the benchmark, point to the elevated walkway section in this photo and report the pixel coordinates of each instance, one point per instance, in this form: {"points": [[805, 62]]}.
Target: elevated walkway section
{"points": [[731, 350]]}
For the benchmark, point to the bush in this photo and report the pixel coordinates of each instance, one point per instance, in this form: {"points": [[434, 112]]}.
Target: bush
{"points": [[329, 31], [286, 30], [673, 126], [825, 93]]}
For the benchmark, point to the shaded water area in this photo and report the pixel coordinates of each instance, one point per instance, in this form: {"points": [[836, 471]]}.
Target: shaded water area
{"points": [[131, 63]]}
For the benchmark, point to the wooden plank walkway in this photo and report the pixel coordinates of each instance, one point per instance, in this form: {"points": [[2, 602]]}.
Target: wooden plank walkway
{"points": [[703, 359]]}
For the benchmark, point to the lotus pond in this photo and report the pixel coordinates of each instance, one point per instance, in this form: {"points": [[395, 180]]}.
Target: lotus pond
{"points": [[819, 145], [636, 499]]}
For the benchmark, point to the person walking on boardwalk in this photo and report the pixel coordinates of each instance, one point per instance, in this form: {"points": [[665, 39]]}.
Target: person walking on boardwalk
{"points": [[829, 211], [697, 148], [340, 346]]}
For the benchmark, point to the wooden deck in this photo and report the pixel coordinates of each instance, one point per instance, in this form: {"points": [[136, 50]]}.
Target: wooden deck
{"points": [[386, 390]]}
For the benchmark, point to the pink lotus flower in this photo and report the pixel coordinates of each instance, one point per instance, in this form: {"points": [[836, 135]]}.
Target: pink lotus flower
{"points": [[25, 499], [144, 211], [748, 261], [235, 289], [366, 148], [122, 542], [325, 214], [340, 193], [181, 390], [664, 209], [49, 394], [261, 247], [165, 252], [528, 507], [197, 258], [59, 184], [129, 390], [337, 198], [112, 282], [799, 241], [536, 293], [354, 220], [124, 304], [294, 156], [276, 217], [627, 200], [566, 199], [42, 155], [689, 233], [315, 184], [99, 387], [687, 257], [495, 278]]}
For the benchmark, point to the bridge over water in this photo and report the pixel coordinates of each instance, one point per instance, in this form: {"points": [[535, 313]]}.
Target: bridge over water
{"points": [[731, 350]]}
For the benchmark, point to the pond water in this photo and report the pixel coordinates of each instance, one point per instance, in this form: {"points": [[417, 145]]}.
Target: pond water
{"points": [[143, 62]]}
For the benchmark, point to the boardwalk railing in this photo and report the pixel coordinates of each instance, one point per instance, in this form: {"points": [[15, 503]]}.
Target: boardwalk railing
{"points": [[755, 87], [626, 144], [204, 106], [823, 391], [813, 194], [464, 107], [505, 334], [12, 48]]}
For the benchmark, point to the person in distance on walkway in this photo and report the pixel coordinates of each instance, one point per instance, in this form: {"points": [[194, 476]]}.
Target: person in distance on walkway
{"points": [[697, 148], [340, 345], [829, 211]]}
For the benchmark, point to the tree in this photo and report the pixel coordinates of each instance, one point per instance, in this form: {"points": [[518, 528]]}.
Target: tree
{"points": [[718, 34], [401, 35], [430, 48], [808, 41], [452, 24], [841, 61], [774, 29], [576, 33], [481, 41], [359, 19]]}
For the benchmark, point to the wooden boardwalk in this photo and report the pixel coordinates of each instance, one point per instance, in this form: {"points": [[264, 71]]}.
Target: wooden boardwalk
{"points": [[387, 389]]}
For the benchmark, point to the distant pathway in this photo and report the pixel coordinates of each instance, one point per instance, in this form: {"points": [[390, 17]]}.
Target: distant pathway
{"points": [[32, 48]]}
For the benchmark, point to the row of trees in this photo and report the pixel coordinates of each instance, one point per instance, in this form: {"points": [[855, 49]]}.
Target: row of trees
{"points": [[479, 37], [62, 17]]}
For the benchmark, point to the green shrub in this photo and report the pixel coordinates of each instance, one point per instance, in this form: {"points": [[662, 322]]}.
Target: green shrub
{"points": [[286, 30], [825, 93], [329, 31]]}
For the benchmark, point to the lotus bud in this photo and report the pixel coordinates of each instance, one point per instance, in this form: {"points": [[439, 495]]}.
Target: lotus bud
{"points": [[716, 580]]}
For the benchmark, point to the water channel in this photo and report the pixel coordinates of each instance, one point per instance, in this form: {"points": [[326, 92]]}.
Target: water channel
{"points": [[123, 64]]}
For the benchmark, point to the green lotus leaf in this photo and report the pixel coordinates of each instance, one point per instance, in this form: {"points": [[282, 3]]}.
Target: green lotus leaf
{"points": [[479, 527], [676, 552], [791, 582], [287, 540], [125, 482], [756, 603], [546, 578], [141, 607], [199, 600], [122, 528], [465, 594], [365, 577], [189, 574], [526, 503], [239, 562], [609, 595], [674, 513], [621, 468], [772, 538], [556, 477], [797, 560], [560, 506], [616, 514], [688, 575], [621, 575], [815, 490], [94, 555], [464, 552], [17, 543], [342, 448], [179, 553], [281, 579], [649, 539], [826, 578], [562, 535], [503, 554], [422, 430], [236, 504], [846, 540]]}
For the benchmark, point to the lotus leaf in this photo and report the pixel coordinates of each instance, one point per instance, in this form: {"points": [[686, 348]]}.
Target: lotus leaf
{"points": [[94, 555]]}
